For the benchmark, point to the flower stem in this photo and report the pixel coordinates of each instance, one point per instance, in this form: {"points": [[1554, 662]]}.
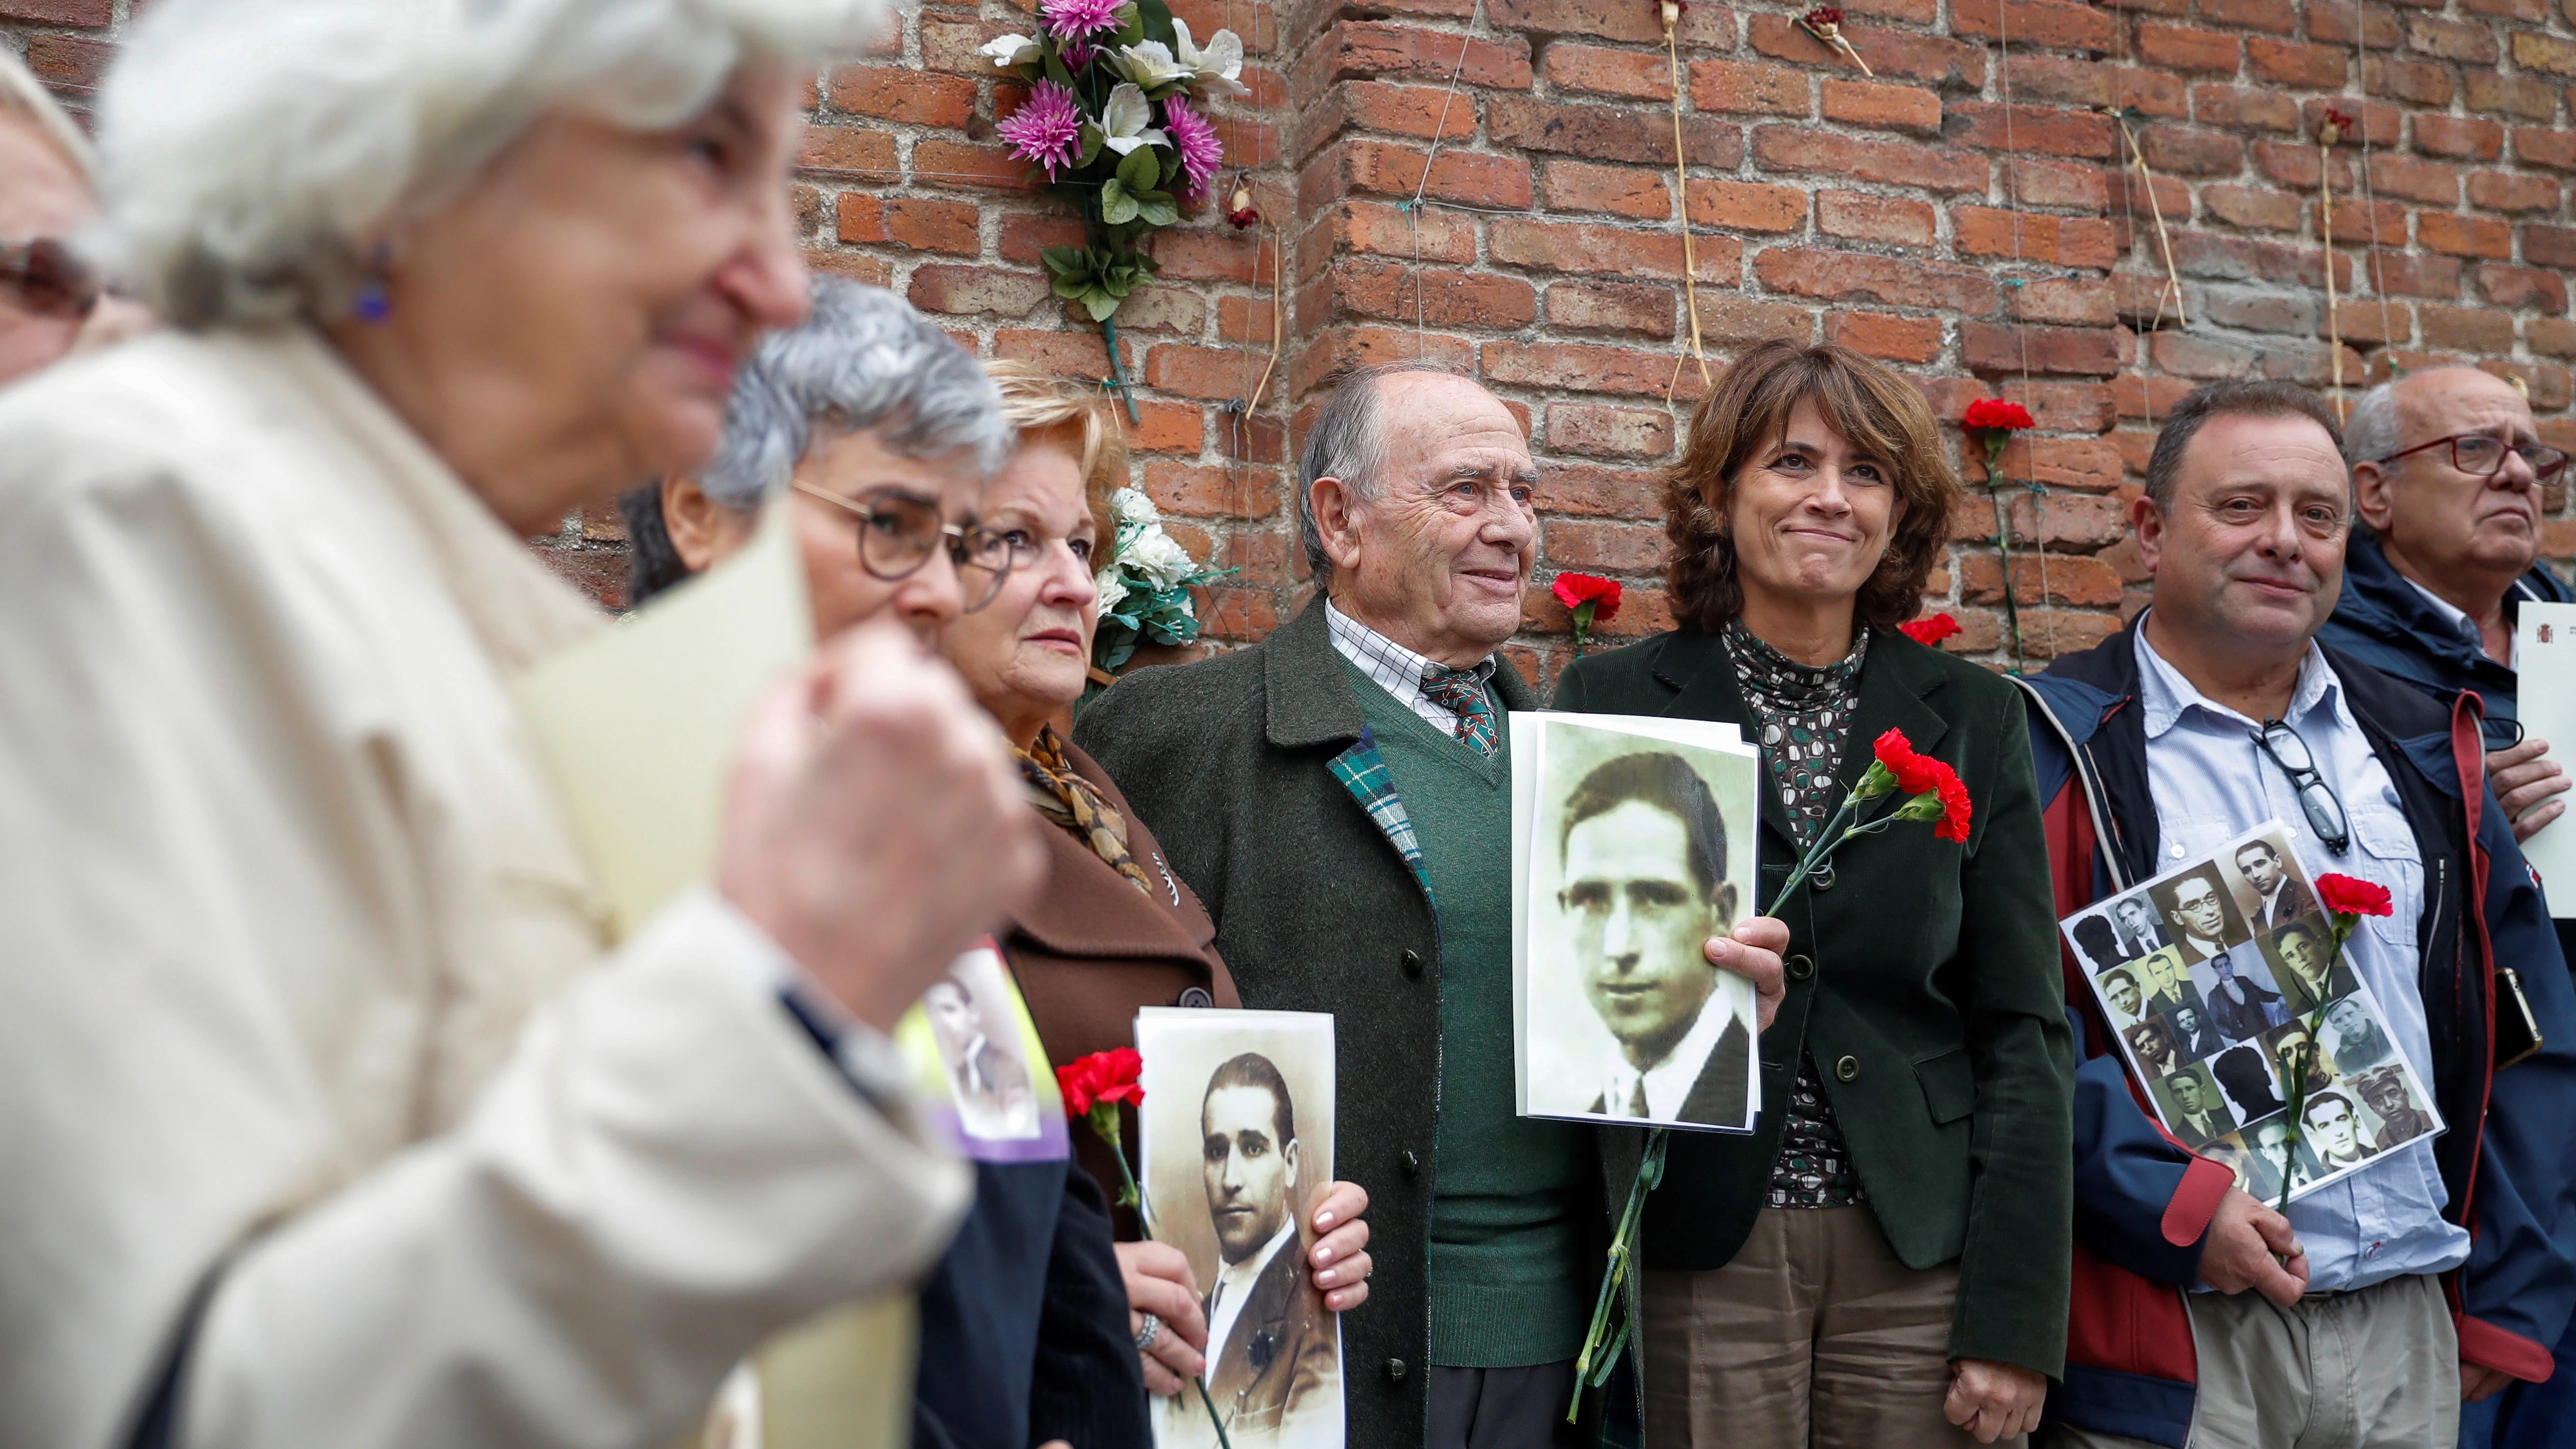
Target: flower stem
{"points": [[2003, 552], [1104, 1120], [1650, 1171], [1117, 369]]}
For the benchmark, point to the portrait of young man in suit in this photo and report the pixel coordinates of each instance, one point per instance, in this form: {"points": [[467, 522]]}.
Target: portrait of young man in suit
{"points": [[986, 1077], [2193, 1107], [2300, 960], [2334, 1126], [2140, 931], [1273, 1361], [2280, 897], [2204, 921], [1645, 886]]}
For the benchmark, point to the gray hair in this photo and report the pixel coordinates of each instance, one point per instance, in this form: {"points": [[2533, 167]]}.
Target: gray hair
{"points": [[862, 361], [2235, 398], [25, 98], [2370, 433], [1347, 444], [250, 144]]}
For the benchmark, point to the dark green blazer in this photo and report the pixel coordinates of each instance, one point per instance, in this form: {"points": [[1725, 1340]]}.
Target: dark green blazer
{"points": [[1251, 770], [1923, 980]]}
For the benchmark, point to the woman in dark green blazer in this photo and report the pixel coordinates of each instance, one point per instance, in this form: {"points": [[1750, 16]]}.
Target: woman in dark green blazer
{"points": [[1884, 1260]]}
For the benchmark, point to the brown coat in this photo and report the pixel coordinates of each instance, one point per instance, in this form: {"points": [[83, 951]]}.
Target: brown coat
{"points": [[1094, 949]]}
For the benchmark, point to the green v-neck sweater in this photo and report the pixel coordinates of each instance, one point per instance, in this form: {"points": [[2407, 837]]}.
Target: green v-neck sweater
{"points": [[1506, 1283]]}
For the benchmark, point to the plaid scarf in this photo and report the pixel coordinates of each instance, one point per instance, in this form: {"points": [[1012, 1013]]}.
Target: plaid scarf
{"points": [[1077, 804]]}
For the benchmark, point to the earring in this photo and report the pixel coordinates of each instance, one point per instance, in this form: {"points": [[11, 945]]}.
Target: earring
{"points": [[374, 304]]}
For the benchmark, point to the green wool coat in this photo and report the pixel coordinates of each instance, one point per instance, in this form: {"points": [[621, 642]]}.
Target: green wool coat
{"points": [[1236, 764], [1923, 979]]}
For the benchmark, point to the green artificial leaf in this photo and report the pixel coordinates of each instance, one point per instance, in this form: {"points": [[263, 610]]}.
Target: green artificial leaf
{"points": [[1116, 205], [1157, 208], [1066, 261], [1117, 283], [1140, 171], [1131, 26], [1171, 169], [1156, 19], [1072, 287], [1054, 66], [1093, 138], [1100, 305]]}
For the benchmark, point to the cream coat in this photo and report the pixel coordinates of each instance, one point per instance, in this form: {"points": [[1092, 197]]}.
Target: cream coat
{"points": [[298, 965]]}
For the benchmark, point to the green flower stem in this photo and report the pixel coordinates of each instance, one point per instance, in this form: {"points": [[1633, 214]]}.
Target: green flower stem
{"points": [[1103, 1118], [1117, 369], [1583, 623], [2003, 552]]}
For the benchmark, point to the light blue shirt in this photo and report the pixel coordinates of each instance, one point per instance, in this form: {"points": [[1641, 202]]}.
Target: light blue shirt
{"points": [[2211, 782]]}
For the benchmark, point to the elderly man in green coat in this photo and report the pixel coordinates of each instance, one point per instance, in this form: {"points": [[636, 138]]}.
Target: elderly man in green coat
{"points": [[1340, 798]]}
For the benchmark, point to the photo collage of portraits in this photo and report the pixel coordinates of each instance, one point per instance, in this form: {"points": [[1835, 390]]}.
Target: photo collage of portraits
{"points": [[2214, 976]]}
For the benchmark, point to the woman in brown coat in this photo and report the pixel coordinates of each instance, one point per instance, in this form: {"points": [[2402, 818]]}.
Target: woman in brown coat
{"points": [[1116, 930]]}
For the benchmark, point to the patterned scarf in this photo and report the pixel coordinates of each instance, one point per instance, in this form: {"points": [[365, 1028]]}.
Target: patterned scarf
{"points": [[1077, 804]]}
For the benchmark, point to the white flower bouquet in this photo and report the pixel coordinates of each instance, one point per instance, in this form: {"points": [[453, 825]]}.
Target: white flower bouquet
{"points": [[1144, 584]]}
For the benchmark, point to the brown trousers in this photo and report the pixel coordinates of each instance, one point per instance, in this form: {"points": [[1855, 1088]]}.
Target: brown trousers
{"points": [[1813, 1337]]}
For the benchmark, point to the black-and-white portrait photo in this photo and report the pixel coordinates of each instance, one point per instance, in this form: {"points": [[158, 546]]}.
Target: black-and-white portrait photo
{"points": [[2193, 1108], [1238, 1145], [2272, 892], [2298, 953], [2137, 927], [1638, 853], [2390, 1097], [2199, 914], [979, 1068]]}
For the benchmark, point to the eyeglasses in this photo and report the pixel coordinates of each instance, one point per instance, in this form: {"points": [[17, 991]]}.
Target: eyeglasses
{"points": [[2317, 799], [2480, 456], [49, 280], [899, 531]]}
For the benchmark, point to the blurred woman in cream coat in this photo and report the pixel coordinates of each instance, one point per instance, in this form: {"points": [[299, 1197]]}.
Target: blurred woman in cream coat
{"points": [[328, 1119]]}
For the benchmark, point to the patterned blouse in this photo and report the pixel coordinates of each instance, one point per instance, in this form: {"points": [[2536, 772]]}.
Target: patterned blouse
{"points": [[1803, 715]]}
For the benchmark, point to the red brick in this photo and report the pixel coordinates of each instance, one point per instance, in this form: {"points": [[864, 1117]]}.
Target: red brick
{"points": [[1892, 220], [1613, 547], [1611, 251], [1197, 254], [2533, 51], [2276, 17], [73, 62], [1437, 297], [1637, 74], [1895, 163], [2461, 40], [1581, 367], [1937, 61], [989, 291], [1856, 277], [1595, 430], [1619, 190], [2465, 137], [1025, 236], [1243, 319], [850, 151], [1596, 491], [858, 267], [1591, 19], [2357, 223], [1746, 206], [1387, 168], [2414, 276], [2311, 67], [1213, 373], [1637, 308], [1888, 107], [2051, 24], [2521, 287], [2504, 191], [86, 14], [1609, 133], [2554, 336], [2416, 82], [1342, 348], [955, 163], [2489, 93], [2454, 234], [2414, 180], [2244, 108], [2028, 130], [2185, 47], [2058, 240], [1380, 50], [895, 93], [2183, 151], [2553, 149], [2084, 351], [2251, 207], [2035, 182], [1410, 110], [1436, 234], [2334, 25], [2465, 329], [2530, 12], [1876, 334], [1728, 85], [2080, 301], [2549, 246], [1726, 321]]}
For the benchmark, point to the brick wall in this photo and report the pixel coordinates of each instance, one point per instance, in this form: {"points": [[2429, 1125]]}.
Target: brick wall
{"points": [[1971, 214]]}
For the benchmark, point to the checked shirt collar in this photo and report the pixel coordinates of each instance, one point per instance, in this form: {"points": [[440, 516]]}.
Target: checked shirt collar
{"points": [[1400, 671]]}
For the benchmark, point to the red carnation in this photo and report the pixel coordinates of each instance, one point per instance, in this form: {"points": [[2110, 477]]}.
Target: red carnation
{"points": [[1824, 17], [1915, 774], [2350, 896], [1956, 808], [1994, 413], [1102, 1077], [1576, 590], [1930, 631]]}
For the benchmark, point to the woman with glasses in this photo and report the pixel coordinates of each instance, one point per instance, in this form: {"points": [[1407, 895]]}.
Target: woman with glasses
{"points": [[871, 426], [338, 1112], [1115, 930]]}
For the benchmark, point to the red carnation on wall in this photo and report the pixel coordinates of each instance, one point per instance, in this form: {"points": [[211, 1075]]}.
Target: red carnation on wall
{"points": [[1590, 598], [2350, 896], [1930, 631], [1995, 412]]}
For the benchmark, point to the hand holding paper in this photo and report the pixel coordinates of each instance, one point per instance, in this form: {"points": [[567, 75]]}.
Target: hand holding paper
{"points": [[874, 824]]}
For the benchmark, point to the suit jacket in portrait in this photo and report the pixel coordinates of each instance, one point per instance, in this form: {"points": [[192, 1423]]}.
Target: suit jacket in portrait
{"points": [[2142, 943], [2287, 904], [2244, 1008], [1717, 1095], [1280, 1360]]}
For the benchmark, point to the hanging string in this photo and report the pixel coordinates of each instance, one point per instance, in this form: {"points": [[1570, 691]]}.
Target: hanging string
{"points": [[2021, 338], [2378, 277], [1681, 200], [1413, 208], [2328, 132]]}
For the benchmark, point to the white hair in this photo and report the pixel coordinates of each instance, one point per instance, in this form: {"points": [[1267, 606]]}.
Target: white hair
{"points": [[249, 144], [25, 97], [2370, 434]]}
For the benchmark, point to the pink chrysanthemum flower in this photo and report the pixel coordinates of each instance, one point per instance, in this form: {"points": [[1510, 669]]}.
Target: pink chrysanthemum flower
{"points": [[1201, 152], [1074, 19], [1076, 54], [1046, 129]]}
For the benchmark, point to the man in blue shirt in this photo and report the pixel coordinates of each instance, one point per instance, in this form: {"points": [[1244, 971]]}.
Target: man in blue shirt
{"points": [[2439, 1269]]}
